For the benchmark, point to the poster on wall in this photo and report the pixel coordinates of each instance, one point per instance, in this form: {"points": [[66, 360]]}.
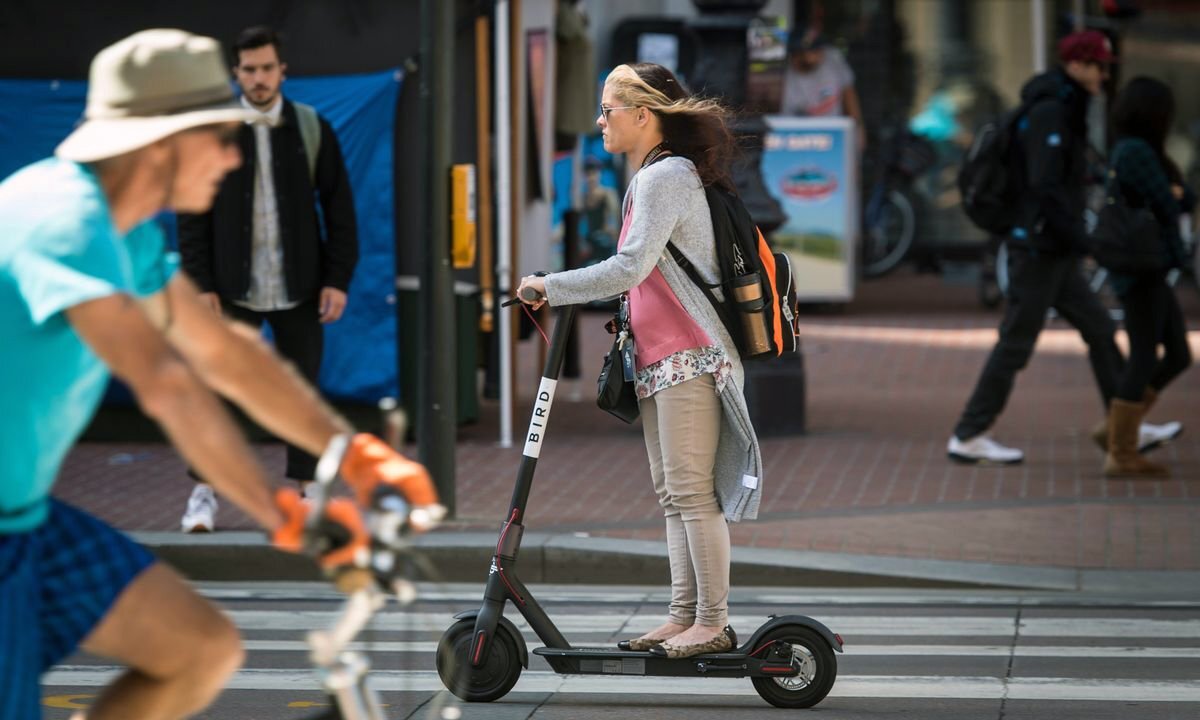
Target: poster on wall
{"points": [[810, 166]]}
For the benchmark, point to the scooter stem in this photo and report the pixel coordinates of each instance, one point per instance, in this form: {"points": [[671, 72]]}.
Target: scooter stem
{"points": [[503, 583], [541, 411]]}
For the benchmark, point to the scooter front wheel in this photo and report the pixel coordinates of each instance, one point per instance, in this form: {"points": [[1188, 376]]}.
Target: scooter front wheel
{"points": [[818, 669], [493, 678]]}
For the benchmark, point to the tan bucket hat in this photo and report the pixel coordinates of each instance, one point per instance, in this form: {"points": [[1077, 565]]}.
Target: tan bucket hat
{"points": [[150, 85]]}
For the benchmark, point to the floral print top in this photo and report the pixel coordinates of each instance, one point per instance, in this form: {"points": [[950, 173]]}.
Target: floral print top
{"points": [[683, 366]]}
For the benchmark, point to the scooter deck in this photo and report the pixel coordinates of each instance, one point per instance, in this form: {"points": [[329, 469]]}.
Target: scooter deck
{"points": [[610, 661]]}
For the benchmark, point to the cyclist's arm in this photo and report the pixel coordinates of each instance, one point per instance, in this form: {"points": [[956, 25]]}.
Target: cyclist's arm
{"points": [[121, 333], [233, 360]]}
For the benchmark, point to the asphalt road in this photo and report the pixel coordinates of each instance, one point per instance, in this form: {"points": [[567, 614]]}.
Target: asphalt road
{"points": [[927, 655]]}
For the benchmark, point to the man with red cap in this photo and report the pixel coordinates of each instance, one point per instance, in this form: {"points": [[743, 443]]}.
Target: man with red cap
{"points": [[1045, 246]]}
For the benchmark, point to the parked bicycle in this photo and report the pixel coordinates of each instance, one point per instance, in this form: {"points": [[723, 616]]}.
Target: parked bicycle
{"points": [[890, 214]]}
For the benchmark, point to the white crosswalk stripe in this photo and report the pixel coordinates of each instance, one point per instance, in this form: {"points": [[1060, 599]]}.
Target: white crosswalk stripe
{"points": [[966, 640], [846, 625], [894, 686], [1046, 651]]}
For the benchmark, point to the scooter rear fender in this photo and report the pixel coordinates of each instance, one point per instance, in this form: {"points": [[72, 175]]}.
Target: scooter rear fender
{"points": [[782, 620]]}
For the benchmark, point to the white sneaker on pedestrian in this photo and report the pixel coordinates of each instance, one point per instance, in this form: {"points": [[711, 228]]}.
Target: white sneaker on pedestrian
{"points": [[201, 515], [981, 450], [1151, 436]]}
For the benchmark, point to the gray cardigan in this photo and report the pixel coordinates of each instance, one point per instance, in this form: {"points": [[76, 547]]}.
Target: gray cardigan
{"points": [[669, 204]]}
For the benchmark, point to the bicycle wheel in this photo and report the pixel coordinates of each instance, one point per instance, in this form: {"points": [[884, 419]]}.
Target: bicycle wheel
{"points": [[889, 235]]}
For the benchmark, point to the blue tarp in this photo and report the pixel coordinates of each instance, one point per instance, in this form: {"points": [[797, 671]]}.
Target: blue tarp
{"points": [[361, 348]]}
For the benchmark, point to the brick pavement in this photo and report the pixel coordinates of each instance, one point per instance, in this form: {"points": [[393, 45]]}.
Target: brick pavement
{"points": [[885, 384]]}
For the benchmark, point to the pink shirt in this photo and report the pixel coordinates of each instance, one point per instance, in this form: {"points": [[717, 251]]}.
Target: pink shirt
{"points": [[660, 325]]}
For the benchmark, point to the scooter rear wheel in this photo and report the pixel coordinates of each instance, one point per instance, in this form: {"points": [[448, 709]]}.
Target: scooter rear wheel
{"points": [[818, 669], [494, 677]]}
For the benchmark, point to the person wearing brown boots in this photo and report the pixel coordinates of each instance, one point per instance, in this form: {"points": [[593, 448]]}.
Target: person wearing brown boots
{"points": [[1123, 458], [1146, 177], [1150, 436]]}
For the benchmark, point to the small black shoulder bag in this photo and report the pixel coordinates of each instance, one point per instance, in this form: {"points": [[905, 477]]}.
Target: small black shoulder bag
{"points": [[615, 392]]}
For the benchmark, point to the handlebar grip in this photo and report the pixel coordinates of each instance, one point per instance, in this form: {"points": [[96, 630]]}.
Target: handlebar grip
{"points": [[530, 295]]}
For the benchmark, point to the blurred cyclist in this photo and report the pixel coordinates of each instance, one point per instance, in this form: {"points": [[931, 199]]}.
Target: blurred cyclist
{"points": [[87, 287]]}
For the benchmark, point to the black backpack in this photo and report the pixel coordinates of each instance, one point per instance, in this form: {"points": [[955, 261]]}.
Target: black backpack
{"points": [[742, 252], [989, 179]]}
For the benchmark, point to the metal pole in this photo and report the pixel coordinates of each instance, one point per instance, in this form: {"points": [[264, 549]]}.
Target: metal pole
{"points": [[1039, 36], [438, 354], [1078, 11], [504, 214], [483, 141]]}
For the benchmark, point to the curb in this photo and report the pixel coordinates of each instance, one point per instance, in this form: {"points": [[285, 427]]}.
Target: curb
{"points": [[578, 559]]}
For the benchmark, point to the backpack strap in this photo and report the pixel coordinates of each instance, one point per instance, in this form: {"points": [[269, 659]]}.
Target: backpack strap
{"points": [[694, 274], [310, 135]]}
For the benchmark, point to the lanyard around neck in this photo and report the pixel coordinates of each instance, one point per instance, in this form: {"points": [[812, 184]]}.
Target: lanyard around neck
{"points": [[654, 154]]}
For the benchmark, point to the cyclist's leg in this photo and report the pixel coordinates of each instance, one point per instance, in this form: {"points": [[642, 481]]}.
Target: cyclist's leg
{"points": [[180, 649], [102, 591]]}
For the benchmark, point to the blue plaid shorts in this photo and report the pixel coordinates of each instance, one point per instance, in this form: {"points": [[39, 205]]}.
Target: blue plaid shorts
{"points": [[56, 583]]}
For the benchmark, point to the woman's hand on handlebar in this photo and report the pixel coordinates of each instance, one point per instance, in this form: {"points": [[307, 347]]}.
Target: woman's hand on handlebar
{"points": [[535, 286]]}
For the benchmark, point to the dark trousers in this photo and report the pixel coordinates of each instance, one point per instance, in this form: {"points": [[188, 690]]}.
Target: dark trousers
{"points": [[1038, 282], [1152, 317], [299, 338]]}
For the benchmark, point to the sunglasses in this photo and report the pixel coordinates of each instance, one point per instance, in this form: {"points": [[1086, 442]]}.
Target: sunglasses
{"points": [[226, 135], [605, 110]]}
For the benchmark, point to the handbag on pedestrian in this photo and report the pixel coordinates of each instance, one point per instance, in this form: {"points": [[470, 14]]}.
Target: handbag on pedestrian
{"points": [[1127, 240]]}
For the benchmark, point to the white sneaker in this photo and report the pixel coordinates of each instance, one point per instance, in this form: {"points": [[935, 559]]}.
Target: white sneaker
{"points": [[1151, 436], [201, 512], [980, 450]]}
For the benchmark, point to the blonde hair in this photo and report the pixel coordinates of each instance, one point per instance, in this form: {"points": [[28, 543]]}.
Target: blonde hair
{"points": [[693, 127]]}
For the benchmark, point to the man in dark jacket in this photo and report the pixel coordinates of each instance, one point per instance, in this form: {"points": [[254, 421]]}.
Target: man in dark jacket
{"points": [[263, 254], [1046, 244]]}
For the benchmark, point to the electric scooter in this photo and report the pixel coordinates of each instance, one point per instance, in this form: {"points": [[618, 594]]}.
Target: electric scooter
{"points": [[789, 659]]}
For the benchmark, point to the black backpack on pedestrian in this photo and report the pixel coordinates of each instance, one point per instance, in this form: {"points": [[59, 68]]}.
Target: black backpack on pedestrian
{"points": [[989, 179]]}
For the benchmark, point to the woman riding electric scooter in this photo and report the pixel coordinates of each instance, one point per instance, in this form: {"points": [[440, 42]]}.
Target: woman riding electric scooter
{"points": [[689, 377], [704, 458]]}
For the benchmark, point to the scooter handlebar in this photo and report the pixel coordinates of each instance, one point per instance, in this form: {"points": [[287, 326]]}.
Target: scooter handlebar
{"points": [[528, 294]]}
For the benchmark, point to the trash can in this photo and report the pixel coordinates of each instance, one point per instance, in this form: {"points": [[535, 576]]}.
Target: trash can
{"points": [[775, 395]]}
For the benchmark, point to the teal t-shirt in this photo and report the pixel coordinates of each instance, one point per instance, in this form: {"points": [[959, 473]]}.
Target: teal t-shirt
{"points": [[58, 248]]}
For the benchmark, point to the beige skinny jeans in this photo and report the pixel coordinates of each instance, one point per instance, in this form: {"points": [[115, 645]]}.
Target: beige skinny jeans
{"points": [[682, 425]]}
